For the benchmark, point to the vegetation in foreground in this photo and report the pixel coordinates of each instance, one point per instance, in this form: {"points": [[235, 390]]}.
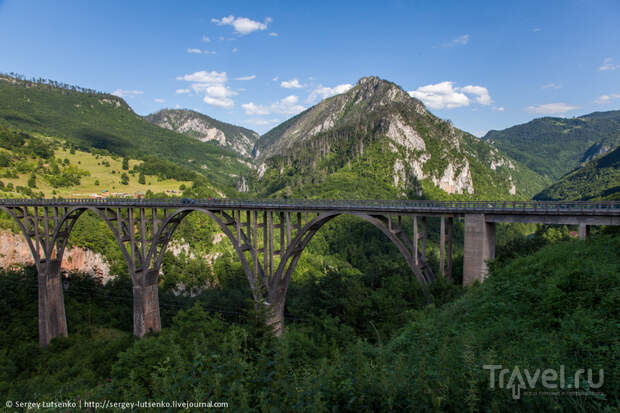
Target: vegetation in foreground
{"points": [[348, 351]]}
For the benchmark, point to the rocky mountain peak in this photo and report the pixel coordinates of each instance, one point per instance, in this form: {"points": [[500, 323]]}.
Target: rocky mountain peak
{"points": [[376, 119]]}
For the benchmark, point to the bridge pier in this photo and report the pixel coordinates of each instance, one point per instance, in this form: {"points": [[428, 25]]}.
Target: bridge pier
{"points": [[52, 319], [146, 318], [445, 247], [479, 248], [584, 231]]}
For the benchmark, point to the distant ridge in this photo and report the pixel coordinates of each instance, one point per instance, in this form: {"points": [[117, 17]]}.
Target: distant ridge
{"points": [[555, 146], [206, 129], [597, 179]]}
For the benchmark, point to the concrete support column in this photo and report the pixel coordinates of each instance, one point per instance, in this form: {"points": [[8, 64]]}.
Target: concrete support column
{"points": [[442, 247], [275, 312], [146, 317], [584, 231], [52, 319], [479, 248]]}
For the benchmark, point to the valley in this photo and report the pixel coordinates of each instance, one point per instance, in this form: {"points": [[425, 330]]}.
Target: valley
{"points": [[361, 329]]}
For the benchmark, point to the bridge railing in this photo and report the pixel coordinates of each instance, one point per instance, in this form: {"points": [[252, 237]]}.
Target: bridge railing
{"points": [[313, 204]]}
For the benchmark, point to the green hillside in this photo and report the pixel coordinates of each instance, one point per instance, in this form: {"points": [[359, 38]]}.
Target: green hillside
{"points": [[597, 179], [93, 120], [555, 146]]}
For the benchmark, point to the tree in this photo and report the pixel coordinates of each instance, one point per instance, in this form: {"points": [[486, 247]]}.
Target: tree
{"points": [[32, 181], [124, 179], [125, 164], [141, 179]]}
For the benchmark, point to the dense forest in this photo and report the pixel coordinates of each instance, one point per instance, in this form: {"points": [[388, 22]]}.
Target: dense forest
{"points": [[355, 342]]}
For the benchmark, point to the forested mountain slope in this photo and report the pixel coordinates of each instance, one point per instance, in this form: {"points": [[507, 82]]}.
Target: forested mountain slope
{"points": [[90, 119], [555, 146], [597, 179], [375, 141]]}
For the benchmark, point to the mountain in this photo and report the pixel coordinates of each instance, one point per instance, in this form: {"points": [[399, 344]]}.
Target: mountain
{"points": [[89, 120], [597, 179], [376, 141], [205, 129], [555, 146]]}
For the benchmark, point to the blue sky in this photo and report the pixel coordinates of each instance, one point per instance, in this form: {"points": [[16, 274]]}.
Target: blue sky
{"points": [[483, 65]]}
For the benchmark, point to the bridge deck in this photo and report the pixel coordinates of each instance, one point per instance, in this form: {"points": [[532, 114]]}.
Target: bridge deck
{"points": [[455, 208]]}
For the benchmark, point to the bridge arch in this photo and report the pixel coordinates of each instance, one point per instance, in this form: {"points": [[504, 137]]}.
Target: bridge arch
{"points": [[398, 237], [270, 289], [166, 231]]}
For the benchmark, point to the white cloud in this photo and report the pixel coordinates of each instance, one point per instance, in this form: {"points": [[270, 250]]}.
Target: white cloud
{"points": [[608, 65], [325, 92], [291, 84], [605, 99], [273, 34], [458, 41], [205, 77], [242, 25], [440, 95], [181, 91], [551, 108], [235, 50], [444, 95], [536, 29], [219, 102], [551, 86], [160, 100], [205, 39], [286, 106], [220, 91], [127, 93], [219, 95], [275, 79], [498, 108], [246, 77], [198, 51], [213, 85], [254, 109], [481, 93]]}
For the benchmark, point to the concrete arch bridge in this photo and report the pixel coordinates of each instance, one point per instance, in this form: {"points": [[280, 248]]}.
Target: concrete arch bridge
{"points": [[269, 237]]}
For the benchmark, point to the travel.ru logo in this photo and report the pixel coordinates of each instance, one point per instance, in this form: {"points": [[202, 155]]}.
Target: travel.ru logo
{"points": [[550, 379]]}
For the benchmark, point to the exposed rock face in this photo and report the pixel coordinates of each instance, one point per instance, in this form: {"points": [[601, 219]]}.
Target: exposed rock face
{"points": [[375, 111], [14, 252], [204, 128], [454, 183], [405, 135], [242, 185]]}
